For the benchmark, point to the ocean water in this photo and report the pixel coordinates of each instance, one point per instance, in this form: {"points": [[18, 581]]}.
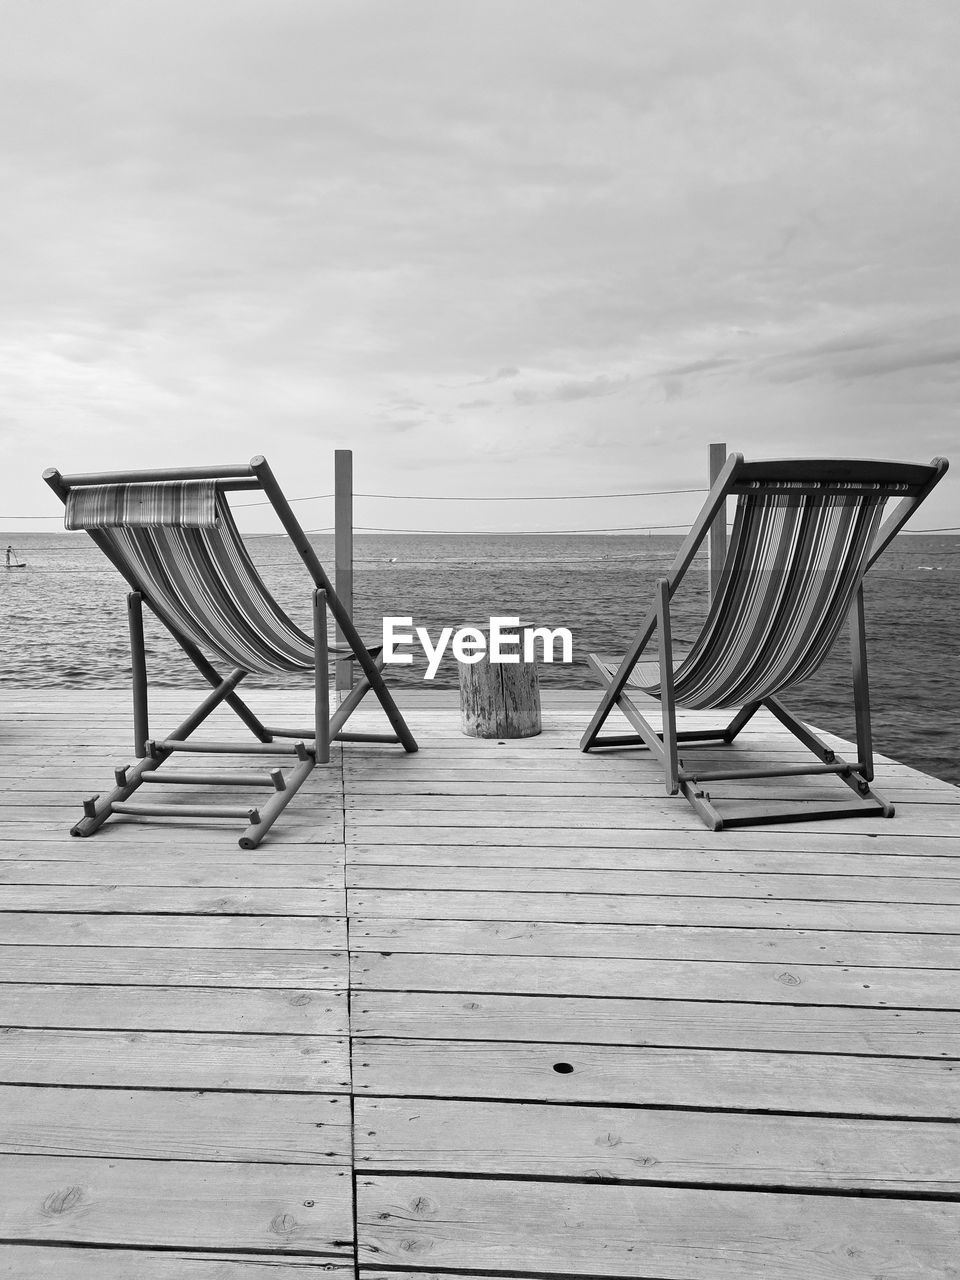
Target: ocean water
{"points": [[64, 620]]}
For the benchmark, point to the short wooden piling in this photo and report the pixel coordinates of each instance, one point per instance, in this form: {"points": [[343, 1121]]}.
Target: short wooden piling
{"points": [[499, 699]]}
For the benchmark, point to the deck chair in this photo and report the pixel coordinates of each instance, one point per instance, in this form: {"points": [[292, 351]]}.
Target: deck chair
{"points": [[172, 536], [804, 535]]}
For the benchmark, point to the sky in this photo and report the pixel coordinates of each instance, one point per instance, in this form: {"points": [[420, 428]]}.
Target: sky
{"points": [[496, 247]]}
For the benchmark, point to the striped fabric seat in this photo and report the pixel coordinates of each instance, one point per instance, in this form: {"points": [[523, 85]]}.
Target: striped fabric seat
{"points": [[184, 503], [178, 542], [794, 563]]}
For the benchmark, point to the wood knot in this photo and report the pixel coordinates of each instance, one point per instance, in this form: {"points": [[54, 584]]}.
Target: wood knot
{"points": [[411, 1244], [301, 999], [423, 1207], [788, 979], [608, 1140], [62, 1201], [284, 1224]]}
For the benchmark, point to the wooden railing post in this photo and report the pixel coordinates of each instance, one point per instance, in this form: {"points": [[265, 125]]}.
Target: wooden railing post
{"points": [[343, 542], [717, 544]]}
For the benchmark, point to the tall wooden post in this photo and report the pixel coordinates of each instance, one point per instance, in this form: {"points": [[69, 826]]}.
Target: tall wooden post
{"points": [[717, 544], [343, 542]]}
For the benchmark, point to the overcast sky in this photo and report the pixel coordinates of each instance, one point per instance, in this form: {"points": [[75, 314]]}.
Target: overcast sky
{"points": [[494, 246]]}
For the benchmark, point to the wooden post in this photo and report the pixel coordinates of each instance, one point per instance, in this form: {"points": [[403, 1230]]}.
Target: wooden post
{"points": [[499, 700], [343, 536], [717, 544]]}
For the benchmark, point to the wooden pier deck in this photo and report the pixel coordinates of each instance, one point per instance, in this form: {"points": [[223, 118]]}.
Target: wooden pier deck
{"points": [[494, 1009]]}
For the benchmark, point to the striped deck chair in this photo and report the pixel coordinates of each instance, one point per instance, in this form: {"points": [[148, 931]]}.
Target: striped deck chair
{"points": [[804, 535], [172, 536]]}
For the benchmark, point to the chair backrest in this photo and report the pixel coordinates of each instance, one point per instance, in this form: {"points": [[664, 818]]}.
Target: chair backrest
{"points": [[803, 537], [176, 542]]}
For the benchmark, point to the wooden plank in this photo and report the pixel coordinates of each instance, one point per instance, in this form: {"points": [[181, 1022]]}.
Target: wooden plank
{"points": [[174, 1060], [182, 856], [640, 942], [910, 858], [639, 1145], [145, 900], [708, 1079], [640, 810], [388, 1273], [689, 1023], [806, 835], [772, 982], [486, 779], [246, 1128], [284, 933], [136, 835], [46, 1262], [265, 1208], [42, 863], [620, 797], [64, 787], [648, 1232], [173, 966], [783, 885], [775, 982], [559, 742], [128, 1008], [928, 819], [600, 908]]}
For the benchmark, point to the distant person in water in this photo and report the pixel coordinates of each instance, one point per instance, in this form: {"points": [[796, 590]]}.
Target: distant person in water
{"points": [[9, 554]]}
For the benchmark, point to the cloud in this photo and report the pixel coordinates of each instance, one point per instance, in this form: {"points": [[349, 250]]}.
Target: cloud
{"points": [[699, 366], [585, 389], [241, 224], [932, 349]]}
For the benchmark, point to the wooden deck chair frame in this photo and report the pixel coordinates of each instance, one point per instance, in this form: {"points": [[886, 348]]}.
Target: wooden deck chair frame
{"points": [[305, 747], [912, 483]]}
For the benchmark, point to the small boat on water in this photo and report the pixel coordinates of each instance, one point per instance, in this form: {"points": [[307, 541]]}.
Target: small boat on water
{"points": [[14, 561]]}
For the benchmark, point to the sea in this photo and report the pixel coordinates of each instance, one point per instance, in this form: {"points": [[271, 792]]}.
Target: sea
{"points": [[64, 622]]}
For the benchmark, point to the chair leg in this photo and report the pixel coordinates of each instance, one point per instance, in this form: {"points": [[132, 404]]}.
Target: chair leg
{"points": [[668, 734], [271, 811], [851, 774], [236, 703], [321, 677], [699, 800], [861, 687], [743, 717], [99, 809], [138, 661], [328, 727], [386, 700]]}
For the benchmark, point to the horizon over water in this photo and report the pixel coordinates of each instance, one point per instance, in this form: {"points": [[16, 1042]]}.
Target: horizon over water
{"points": [[65, 620]]}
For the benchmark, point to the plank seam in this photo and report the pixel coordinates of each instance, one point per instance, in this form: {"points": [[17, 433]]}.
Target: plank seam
{"points": [[553, 995], [607, 1104], [764, 1188]]}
